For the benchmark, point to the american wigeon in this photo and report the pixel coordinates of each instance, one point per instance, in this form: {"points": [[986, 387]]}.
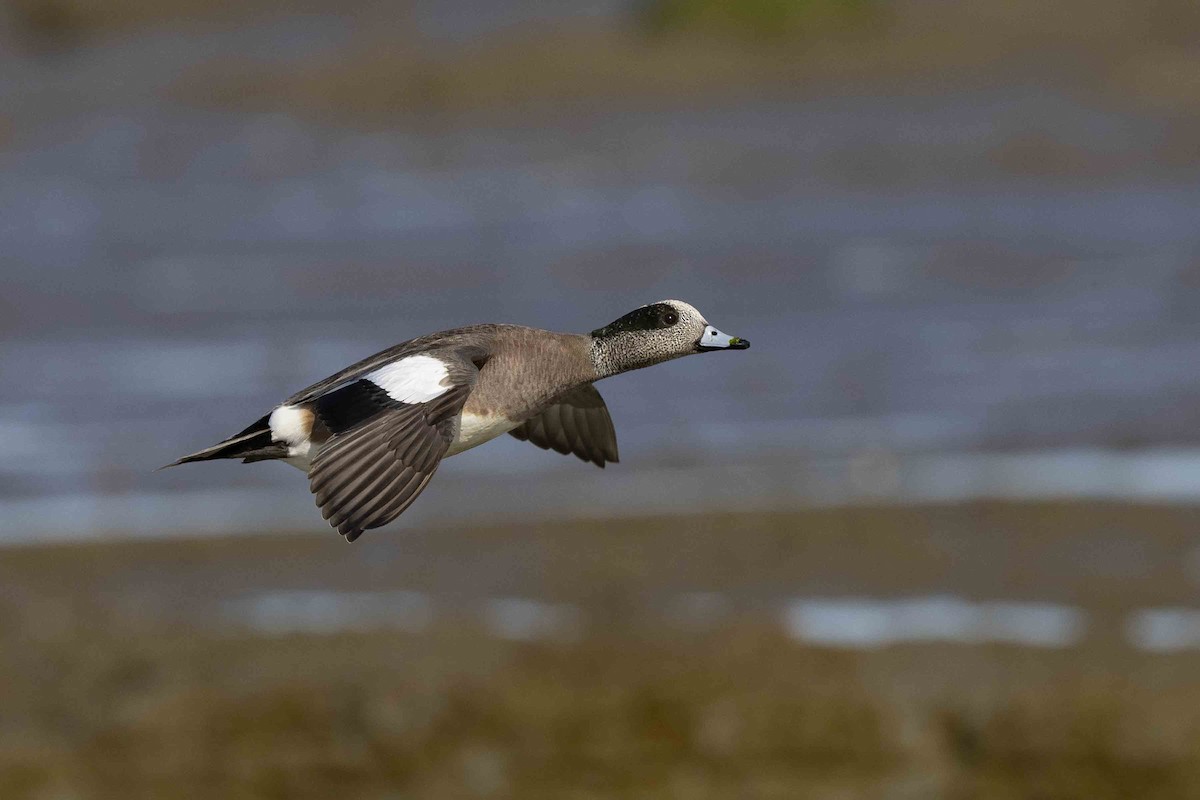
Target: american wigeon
{"points": [[371, 436]]}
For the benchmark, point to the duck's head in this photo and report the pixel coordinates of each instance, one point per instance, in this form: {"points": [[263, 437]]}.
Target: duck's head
{"points": [[655, 333]]}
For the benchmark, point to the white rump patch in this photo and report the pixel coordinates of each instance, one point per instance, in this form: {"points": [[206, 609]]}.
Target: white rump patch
{"points": [[415, 379]]}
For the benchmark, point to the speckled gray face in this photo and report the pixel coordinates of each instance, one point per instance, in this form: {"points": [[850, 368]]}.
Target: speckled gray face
{"points": [[655, 333]]}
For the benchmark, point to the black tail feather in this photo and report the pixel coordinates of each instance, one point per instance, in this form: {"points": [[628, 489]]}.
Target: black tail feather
{"points": [[252, 444]]}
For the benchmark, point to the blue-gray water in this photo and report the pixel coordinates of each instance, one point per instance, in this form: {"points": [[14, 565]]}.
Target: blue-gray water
{"points": [[922, 305]]}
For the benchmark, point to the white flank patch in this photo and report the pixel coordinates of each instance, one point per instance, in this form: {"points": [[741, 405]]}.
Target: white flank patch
{"points": [[415, 379], [289, 424], [292, 426], [475, 429]]}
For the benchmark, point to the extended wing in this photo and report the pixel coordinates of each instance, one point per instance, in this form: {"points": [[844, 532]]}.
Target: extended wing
{"points": [[576, 423], [388, 433]]}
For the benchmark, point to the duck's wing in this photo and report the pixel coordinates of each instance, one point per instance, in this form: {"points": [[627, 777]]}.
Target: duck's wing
{"points": [[577, 422], [473, 342], [389, 430]]}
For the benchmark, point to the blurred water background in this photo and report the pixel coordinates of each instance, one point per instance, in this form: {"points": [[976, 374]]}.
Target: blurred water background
{"points": [[933, 271], [943, 511]]}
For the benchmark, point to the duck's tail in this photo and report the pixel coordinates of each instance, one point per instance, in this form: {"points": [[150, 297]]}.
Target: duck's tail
{"points": [[252, 444]]}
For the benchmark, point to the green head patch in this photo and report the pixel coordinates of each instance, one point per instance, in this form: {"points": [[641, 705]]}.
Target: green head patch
{"points": [[646, 318]]}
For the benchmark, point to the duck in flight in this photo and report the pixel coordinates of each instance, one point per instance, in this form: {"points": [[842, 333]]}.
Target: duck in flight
{"points": [[371, 437]]}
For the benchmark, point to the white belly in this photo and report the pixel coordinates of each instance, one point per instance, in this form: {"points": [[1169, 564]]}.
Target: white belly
{"points": [[475, 429]]}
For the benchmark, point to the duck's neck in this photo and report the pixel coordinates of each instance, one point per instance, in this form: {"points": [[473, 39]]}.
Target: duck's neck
{"points": [[612, 355], [602, 358]]}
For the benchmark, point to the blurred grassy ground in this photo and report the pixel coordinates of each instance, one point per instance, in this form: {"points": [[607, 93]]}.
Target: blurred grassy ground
{"points": [[72, 22], [761, 19], [119, 677], [677, 52], [737, 712], [1109, 558]]}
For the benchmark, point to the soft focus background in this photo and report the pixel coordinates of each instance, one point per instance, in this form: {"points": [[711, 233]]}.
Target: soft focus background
{"points": [[934, 536]]}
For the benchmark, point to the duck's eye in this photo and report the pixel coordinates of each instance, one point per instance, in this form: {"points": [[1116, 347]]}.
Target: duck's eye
{"points": [[670, 318]]}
